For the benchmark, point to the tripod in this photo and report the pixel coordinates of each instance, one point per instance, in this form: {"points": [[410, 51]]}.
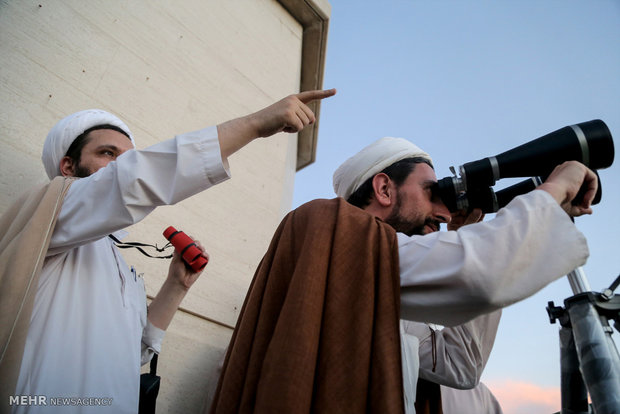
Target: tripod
{"points": [[589, 360]]}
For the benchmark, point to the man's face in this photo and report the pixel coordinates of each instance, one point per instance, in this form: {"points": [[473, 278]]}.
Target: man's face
{"points": [[417, 210], [103, 146]]}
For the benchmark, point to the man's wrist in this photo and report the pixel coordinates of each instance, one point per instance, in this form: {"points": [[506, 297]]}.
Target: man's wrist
{"points": [[175, 286], [554, 190]]}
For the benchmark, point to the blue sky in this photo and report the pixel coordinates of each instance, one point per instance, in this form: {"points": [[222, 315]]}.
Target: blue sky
{"points": [[470, 79]]}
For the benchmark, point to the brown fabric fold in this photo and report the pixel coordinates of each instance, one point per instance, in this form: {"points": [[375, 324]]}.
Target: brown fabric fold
{"points": [[319, 329], [25, 232]]}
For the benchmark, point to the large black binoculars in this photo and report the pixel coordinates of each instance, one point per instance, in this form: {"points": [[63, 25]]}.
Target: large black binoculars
{"points": [[588, 142]]}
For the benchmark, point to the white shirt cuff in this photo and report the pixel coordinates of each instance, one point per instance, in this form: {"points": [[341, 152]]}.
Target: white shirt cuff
{"points": [[152, 337]]}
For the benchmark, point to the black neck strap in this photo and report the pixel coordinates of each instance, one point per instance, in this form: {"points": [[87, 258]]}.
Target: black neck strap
{"points": [[139, 247]]}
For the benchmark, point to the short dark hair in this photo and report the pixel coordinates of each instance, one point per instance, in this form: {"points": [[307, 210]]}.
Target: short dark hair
{"points": [[75, 149], [398, 172]]}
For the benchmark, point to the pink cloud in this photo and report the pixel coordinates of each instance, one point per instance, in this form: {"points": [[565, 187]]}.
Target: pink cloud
{"points": [[518, 397]]}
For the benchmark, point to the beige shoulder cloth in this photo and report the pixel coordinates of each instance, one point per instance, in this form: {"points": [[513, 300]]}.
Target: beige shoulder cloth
{"points": [[25, 233]]}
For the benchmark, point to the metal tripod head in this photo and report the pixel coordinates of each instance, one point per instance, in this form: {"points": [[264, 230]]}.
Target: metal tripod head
{"points": [[590, 363], [609, 292]]}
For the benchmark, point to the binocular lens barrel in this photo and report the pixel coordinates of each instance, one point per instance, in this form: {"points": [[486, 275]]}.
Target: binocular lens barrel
{"points": [[507, 194], [589, 142]]}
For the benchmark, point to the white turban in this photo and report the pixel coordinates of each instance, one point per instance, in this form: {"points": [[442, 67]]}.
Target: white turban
{"points": [[62, 135], [372, 160]]}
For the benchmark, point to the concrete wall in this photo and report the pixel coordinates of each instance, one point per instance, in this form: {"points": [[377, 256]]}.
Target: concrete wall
{"points": [[168, 67]]}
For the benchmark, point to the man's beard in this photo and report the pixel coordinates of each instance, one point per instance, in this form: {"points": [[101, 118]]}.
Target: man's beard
{"points": [[406, 226], [81, 172]]}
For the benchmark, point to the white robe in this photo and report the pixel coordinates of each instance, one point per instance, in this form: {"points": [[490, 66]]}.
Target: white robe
{"points": [[89, 324], [450, 277], [478, 400], [461, 353]]}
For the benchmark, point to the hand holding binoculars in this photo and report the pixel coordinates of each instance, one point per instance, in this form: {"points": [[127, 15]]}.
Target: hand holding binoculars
{"points": [[187, 248]]}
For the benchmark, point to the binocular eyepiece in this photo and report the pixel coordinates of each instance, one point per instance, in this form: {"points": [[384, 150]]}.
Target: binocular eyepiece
{"points": [[187, 248], [588, 142]]}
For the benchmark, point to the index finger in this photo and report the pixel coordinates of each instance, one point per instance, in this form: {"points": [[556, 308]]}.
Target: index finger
{"points": [[309, 96]]}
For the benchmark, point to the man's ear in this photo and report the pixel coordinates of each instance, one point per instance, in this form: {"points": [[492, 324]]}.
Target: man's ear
{"points": [[383, 188], [67, 166]]}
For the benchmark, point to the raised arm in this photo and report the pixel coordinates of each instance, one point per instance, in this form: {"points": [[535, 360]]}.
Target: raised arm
{"points": [[125, 191], [290, 114], [452, 277]]}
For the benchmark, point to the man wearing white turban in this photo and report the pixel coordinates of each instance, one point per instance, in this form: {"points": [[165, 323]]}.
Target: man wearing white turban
{"points": [[455, 356], [70, 134], [89, 318], [319, 329], [451, 277]]}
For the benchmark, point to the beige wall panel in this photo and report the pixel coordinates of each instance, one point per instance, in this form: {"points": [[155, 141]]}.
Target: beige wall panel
{"points": [[164, 68]]}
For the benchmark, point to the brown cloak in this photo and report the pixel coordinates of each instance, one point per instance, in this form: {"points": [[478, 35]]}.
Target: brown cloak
{"points": [[319, 329]]}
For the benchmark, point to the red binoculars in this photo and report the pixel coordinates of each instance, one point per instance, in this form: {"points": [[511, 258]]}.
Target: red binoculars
{"points": [[186, 247]]}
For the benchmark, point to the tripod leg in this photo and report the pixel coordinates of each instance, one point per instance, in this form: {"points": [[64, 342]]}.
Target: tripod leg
{"points": [[598, 357], [574, 393]]}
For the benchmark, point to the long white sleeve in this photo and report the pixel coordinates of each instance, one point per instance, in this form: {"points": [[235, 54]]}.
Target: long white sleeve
{"points": [[453, 276], [460, 353], [128, 189]]}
